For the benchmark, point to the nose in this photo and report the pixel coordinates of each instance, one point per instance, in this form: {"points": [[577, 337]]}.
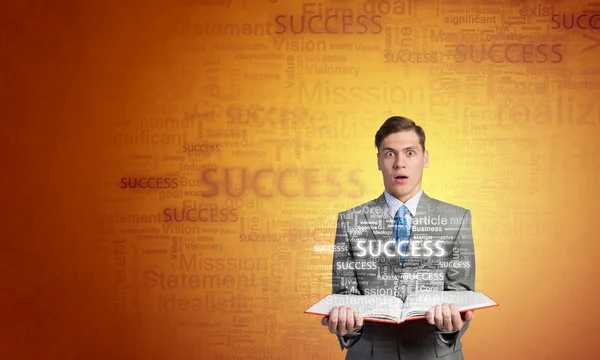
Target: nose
{"points": [[400, 162]]}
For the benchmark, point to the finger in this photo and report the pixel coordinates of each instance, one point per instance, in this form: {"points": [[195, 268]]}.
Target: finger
{"points": [[333, 320], [439, 320], [325, 321], [457, 322], [430, 316], [341, 325], [469, 315], [358, 320], [447, 317], [349, 320]]}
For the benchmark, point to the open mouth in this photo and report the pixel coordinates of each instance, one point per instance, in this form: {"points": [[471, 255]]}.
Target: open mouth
{"points": [[400, 179]]}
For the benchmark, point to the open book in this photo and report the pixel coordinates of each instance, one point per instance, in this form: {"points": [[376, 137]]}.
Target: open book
{"points": [[386, 308]]}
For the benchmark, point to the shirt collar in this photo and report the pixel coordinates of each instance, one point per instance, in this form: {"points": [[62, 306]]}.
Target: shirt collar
{"points": [[395, 204]]}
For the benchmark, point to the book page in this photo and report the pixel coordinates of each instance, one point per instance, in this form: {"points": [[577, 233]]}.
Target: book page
{"points": [[369, 306], [417, 304]]}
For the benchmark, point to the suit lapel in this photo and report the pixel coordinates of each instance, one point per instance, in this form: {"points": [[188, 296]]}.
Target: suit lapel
{"points": [[419, 218], [378, 218], [422, 211], [382, 229]]}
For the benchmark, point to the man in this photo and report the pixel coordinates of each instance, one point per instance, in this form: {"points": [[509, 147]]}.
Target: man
{"points": [[402, 242]]}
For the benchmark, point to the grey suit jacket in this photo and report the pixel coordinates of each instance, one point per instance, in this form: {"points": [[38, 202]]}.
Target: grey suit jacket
{"points": [[440, 257]]}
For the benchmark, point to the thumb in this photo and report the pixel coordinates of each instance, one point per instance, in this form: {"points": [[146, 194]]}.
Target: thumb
{"points": [[469, 315], [325, 321]]}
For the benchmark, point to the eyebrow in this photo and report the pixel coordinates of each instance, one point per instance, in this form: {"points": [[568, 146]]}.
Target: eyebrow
{"points": [[411, 147]]}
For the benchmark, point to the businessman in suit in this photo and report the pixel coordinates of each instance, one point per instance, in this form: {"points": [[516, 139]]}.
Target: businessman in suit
{"points": [[400, 243]]}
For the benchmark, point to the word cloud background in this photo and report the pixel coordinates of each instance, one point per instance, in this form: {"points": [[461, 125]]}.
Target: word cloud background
{"points": [[173, 170]]}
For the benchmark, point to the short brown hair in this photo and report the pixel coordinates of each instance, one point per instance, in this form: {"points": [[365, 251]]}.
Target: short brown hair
{"points": [[396, 124]]}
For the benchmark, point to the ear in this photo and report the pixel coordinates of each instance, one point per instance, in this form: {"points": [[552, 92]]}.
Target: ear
{"points": [[378, 162], [426, 156]]}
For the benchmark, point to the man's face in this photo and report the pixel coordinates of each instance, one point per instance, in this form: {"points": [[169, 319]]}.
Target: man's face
{"points": [[401, 160]]}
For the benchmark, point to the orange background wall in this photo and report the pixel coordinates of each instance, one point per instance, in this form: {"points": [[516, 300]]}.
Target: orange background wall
{"points": [[96, 93]]}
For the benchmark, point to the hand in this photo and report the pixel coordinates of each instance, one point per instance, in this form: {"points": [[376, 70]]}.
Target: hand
{"points": [[446, 317], [342, 320]]}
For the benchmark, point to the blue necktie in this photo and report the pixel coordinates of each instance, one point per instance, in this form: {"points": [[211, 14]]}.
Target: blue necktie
{"points": [[402, 231]]}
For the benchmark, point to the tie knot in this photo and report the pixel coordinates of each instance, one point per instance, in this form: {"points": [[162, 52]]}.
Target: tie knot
{"points": [[402, 211]]}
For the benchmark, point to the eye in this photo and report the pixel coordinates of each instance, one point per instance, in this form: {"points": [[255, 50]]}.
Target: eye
{"points": [[389, 154], [410, 153]]}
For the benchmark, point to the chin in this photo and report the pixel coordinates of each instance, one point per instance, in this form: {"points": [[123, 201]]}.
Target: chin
{"points": [[402, 193], [398, 194], [403, 190]]}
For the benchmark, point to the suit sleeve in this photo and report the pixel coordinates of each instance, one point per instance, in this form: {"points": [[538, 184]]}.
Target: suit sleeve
{"points": [[461, 278], [344, 281]]}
